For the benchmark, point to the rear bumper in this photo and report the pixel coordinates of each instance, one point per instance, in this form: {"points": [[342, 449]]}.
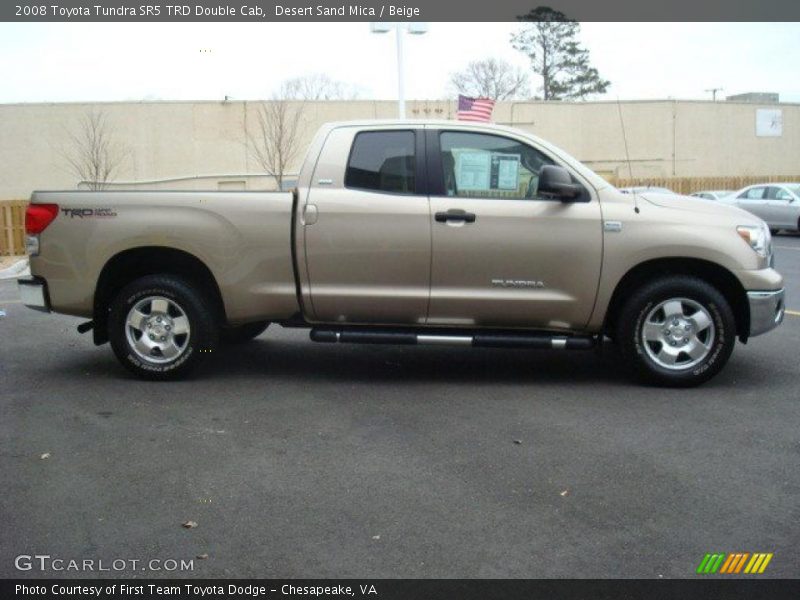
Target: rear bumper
{"points": [[766, 310], [33, 292]]}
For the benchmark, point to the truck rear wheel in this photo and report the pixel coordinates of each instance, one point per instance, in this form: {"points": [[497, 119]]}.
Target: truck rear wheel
{"points": [[161, 327], [677, 331]]}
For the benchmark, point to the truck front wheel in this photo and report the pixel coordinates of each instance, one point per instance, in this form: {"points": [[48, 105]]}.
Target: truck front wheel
{"points": [[676, 331], [161, 327]]}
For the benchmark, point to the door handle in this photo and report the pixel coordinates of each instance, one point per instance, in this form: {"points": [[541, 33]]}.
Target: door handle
{"points": [[455, 214]]}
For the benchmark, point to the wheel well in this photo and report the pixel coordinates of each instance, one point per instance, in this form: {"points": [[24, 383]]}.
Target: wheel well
{"points": [[716, 275], [132, 264]]}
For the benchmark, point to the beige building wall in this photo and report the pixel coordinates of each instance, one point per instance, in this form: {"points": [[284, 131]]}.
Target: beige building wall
{"points": [[204, 145]]}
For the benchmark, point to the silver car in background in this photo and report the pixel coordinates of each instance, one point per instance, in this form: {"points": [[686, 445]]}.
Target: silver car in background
{"points": [[777, 204], [641, 189]]}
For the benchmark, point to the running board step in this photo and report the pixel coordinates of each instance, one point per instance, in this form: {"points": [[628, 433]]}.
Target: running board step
{"points": [[479, 340]]}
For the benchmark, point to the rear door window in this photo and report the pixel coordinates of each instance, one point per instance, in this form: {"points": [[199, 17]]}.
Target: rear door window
{"points": [[756, 193], [382, 161]]}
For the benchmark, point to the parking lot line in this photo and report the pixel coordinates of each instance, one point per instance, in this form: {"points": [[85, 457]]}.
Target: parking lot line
{"points": [[788, 248], [794, 313]]}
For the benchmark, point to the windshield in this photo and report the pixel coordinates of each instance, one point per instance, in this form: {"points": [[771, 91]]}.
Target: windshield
{"points": [[795, 189]]}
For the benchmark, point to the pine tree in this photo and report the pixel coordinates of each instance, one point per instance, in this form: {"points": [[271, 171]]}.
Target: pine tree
{"points": [[549, 39]]}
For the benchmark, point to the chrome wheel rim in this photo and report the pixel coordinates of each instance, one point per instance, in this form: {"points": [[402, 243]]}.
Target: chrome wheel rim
{"points": [[157, 329], [678, 334]]}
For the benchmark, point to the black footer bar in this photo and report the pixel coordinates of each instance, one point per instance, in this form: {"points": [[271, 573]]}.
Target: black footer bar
{"points": [[406, 589]]}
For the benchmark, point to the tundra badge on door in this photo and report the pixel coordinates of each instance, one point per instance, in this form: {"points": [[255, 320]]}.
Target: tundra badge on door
{"points": [[517, 283]]}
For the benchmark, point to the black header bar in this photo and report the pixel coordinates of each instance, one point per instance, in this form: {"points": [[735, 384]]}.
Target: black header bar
{"points": [[402, 10]]}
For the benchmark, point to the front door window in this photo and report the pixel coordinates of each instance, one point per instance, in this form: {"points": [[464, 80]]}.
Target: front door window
{"points": [[478, 165]]}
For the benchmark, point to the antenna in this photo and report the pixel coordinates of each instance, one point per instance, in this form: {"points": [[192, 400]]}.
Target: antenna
{"points": [[627, 154]]}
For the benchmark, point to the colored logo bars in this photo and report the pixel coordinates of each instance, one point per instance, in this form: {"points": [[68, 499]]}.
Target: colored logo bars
{"points": [[734, 562]]}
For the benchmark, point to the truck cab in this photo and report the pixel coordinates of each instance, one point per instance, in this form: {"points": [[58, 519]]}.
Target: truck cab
{"points": [[446, 225]]}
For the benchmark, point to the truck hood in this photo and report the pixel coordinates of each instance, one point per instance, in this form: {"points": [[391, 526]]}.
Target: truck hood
{"points": [[697, 205]]}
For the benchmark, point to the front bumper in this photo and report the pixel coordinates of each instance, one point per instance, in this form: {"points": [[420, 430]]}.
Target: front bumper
{"points": [[33, 292], [766, 310]]}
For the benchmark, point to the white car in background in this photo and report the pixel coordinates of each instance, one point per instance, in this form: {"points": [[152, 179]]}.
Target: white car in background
{"points": [[713, 194], [777, 204], [641, 189]]}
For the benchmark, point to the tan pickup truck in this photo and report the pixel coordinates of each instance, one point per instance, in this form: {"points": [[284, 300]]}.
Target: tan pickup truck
{"points": [[411, 232]]}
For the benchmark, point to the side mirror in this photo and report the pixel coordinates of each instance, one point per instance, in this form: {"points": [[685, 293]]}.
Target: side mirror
{"points": [[556, 182]]}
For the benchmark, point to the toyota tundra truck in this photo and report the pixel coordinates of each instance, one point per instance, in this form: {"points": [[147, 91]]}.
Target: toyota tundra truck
{"points": [[410, 232]]}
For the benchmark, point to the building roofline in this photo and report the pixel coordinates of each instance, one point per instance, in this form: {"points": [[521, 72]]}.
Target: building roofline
{"points": [[390, 101]]}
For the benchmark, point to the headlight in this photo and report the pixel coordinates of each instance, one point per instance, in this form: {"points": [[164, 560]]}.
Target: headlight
{"points": [[758, 237]]}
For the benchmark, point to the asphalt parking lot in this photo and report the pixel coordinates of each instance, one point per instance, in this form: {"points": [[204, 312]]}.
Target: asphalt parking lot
{"points": [[304, 460]]}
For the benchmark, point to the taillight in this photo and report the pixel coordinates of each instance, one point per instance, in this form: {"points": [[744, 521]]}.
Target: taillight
{"points": [[39, 216]]}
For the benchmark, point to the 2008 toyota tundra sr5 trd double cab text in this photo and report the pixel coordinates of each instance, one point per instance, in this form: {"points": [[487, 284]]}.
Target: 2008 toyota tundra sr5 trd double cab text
{"points": [[411, 232]]}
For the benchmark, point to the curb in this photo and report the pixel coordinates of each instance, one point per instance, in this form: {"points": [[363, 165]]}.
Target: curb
{"points": [[17, 269]]}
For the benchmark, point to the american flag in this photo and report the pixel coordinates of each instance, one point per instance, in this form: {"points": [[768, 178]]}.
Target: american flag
{"points": [[475, 109]]}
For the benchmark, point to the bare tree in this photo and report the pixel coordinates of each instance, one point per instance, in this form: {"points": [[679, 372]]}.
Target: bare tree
{"points": [[318, 86], [491, 78], [94, 156], [275, 140]]}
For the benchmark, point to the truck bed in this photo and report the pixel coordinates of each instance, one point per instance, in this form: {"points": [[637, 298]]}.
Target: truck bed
{"points": [[244, 239]]}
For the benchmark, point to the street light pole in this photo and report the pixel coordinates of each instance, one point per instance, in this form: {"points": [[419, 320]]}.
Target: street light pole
{"points": [[399, 31]]}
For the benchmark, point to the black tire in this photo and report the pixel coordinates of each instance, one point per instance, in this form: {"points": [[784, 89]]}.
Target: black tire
{"points": [[774, 231], [647, 305], [187, 307], [243, 333]]}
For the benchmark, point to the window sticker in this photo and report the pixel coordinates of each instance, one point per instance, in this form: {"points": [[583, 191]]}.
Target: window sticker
{"points": [[473, 171], [505, 171]]}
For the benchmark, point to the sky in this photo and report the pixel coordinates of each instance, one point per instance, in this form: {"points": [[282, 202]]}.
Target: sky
{"points": [[58, 62]]}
